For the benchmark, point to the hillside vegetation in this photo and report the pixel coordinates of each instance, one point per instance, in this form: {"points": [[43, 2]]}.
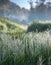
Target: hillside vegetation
{"points": [[39, 26], [8, 26]]}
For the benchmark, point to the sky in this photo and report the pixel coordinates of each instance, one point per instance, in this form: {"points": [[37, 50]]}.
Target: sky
{"points": [[24, 3]]}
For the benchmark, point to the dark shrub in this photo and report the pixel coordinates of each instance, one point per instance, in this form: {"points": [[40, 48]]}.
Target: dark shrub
{"points": [[40, 27]]}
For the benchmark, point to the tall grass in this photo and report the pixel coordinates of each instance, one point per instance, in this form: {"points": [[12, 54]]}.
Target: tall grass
{"points": [[32, 49]]}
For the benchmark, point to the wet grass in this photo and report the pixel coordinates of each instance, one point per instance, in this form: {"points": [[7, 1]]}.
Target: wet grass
{"points": [[30, 49]]}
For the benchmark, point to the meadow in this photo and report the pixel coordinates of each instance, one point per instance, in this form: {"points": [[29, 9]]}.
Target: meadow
{"points": [[25, 48]]}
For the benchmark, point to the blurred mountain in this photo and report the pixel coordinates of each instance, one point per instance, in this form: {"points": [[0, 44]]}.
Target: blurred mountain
{"points": [[12, 11], [15, 13]]}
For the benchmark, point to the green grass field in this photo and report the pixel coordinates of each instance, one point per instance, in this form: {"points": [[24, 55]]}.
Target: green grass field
{"points": [[22, 47]]}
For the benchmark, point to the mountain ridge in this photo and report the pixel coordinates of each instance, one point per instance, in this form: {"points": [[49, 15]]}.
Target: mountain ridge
{"points": [[17, 14], [12, 11]]}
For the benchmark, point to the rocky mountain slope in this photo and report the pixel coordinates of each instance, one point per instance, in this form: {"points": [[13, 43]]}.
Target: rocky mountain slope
{"points": [[12, 11]]}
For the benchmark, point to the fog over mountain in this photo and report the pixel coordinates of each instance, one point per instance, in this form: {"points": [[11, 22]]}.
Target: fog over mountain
{"points": [[12, 11], [15, 13]]}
